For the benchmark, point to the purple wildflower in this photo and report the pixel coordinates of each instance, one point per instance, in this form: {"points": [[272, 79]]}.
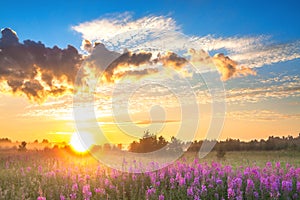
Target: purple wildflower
{"points": [[73, 196], [256, 195], [86, 192], [106, 182], [277, 165], [196, 180], [196, 197], [250, 186], [219, 182], [161, 197], [203, 190], [181, 181], [231, 193], [150, 192], [190, 191], [100, 191], [75, 187], [287, 186]]}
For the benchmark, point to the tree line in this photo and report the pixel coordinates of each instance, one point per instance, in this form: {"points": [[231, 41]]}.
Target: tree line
{"points": [[151, 143]]}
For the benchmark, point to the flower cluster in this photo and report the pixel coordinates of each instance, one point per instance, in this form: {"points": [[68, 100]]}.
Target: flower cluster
{"points": [[58, 179]]}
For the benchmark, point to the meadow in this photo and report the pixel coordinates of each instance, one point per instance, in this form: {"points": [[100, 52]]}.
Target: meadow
{"points": [[239, 175]]}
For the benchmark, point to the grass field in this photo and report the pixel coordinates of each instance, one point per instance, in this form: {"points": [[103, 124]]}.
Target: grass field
{"points": [[259, 158], [240, 175]]}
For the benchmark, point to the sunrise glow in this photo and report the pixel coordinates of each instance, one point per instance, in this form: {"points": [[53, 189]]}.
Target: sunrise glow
{"points": [[80, 145]]}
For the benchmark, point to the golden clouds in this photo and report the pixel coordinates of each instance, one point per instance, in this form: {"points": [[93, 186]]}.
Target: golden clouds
{"points": [[227, 67]]}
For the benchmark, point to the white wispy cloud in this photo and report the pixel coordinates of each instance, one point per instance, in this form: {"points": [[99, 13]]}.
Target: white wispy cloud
{"points": [[266, 55], [122, 31], [117, 30], [279, 89], [107, 28]]}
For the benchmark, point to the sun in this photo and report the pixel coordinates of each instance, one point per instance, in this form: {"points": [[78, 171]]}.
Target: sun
{"points": [[82, 143]]}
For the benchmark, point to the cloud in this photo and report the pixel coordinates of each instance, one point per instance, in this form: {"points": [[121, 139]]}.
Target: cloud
{"points": [[256, 94], [161, 32], [171, 59], [37, 71], [116, 26], [261, 115], [133, 63], [147, 122], [227, 67], [124, 61], [114, 66], [87, 46], [259, 56]]}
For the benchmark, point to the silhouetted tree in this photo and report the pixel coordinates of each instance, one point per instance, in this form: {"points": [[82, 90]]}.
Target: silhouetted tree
{"points": [[148, 143], [22, 146], [175, 146], [5, 140], [161, 142], [45, 141]]}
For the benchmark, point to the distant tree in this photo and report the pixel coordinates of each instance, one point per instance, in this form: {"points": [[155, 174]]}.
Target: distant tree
{"points": [[107, 147], [22, 146], [133, 147], [175, 146], [148, 143], [96, 148], [45, 141], [119, 146], [195, 146], [5, 140], [161, 142]]}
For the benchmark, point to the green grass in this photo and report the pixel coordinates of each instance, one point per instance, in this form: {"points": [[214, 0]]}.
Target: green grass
{"points": [[248, 158]]}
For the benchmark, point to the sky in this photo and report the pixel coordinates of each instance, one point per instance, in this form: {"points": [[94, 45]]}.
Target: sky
{"points": [[190, 69]]}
